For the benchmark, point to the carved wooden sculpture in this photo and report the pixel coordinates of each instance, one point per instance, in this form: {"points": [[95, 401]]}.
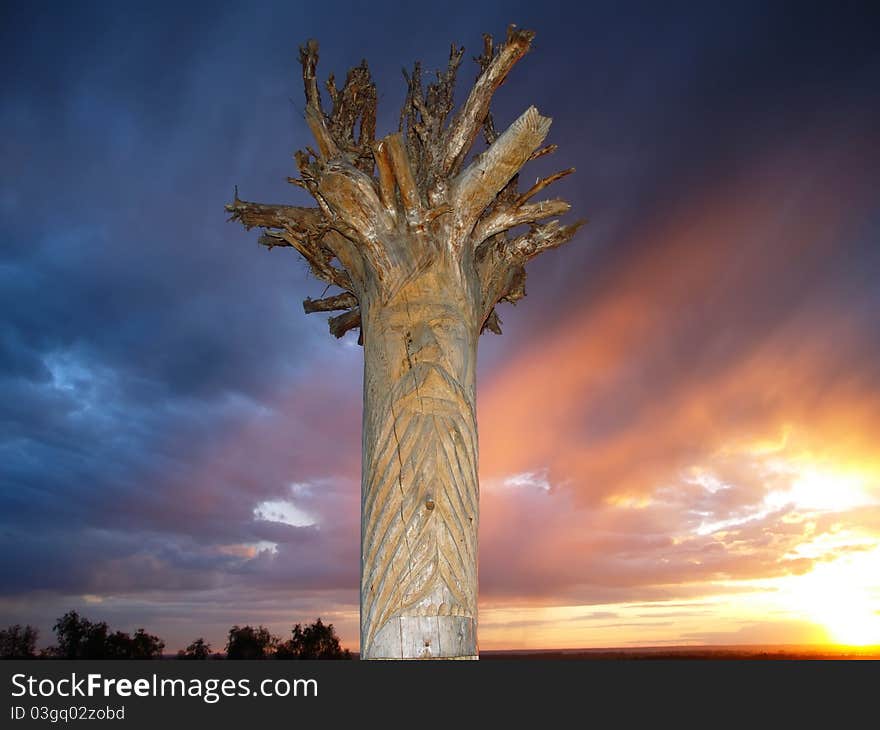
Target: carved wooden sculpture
{"points": [[418, 242]]}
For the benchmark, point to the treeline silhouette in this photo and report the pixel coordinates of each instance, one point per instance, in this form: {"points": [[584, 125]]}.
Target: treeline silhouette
{"points": [[78, 638]]}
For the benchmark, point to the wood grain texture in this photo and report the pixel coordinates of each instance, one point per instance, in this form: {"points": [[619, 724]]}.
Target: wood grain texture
{"points": [[415, 232], [420, 493]]}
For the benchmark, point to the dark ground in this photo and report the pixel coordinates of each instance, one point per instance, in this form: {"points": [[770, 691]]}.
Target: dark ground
{"points": [[696, 652]]}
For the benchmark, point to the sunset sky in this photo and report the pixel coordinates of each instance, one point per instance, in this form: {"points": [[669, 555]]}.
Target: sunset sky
{"points": [[679, 428]]}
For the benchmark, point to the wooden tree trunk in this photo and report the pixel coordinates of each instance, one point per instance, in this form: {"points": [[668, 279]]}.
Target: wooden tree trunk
{"points": [[420, 496], [418, 243]]}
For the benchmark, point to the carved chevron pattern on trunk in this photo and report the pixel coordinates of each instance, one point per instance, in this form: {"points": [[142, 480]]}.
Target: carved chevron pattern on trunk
{"points": [[420, 502], [420, 233]]}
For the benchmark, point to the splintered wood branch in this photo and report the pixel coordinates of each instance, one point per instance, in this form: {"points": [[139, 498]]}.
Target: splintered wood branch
{"points": [[308, 56], [543, 238], [317, 257], [409, 114], [515, 285], [538, 211], [252, 215], [492, 323], [503, 219], [403, 173], [423, 116], [270, 239], [440, 96], [352, 121], [548, 150], [355, 102], [346, 300], [306, 230], [315, 120], [424, 113], [309, 165], [502, 278], [541, 184], [483, 61], [463, 128], [342, 323], [386, 178], [501, 264], [351, 196], [386, 229], [480, 183]]}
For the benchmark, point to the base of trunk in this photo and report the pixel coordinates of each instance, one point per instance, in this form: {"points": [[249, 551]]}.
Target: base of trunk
{"points": [[426, 637], [473, 658]]}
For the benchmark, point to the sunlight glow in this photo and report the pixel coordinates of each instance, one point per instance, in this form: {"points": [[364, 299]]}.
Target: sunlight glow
{"points": [[843, 595], [626, 501], [842, 591], [814, 489], [834, 579]]}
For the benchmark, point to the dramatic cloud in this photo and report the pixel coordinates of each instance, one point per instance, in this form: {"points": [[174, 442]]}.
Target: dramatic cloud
{"points": [[678, 429]]}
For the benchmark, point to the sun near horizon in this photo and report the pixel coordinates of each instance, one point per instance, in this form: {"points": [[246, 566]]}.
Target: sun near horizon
{"points": [[678, 429]]}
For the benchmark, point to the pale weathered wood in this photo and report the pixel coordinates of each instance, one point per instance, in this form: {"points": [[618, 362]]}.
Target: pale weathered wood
{"points": [[459, 137], [485, 177], [503, 218], [330, 304], [420, 491], [423, 256], [343, 323]]}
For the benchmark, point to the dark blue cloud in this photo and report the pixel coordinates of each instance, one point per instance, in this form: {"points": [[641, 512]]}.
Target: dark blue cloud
{"points": [[157, 375]]}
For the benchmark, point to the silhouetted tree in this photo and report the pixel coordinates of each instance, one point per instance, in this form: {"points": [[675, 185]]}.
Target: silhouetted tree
{"points": [[79, 638], [315, 641], [247, 642], [118, 646], [18, 642], [146, 646], [199, 649]]}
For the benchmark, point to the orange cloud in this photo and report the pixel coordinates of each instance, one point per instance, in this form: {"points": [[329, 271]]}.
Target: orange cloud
{"points": [[700, 414]]}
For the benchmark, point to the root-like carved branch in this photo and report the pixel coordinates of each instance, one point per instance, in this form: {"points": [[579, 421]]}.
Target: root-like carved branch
{"points": [[487, 175], [388, 209], [342, 323], [346, 300], [463, 129]]}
